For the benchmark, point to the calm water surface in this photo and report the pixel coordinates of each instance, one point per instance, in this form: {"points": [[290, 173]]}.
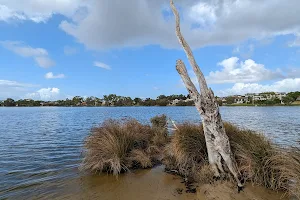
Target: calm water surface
{"points": [[40, 148]]}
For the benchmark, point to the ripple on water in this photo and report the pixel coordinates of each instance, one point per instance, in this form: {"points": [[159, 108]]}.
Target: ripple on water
{"points": [[40, 148]]}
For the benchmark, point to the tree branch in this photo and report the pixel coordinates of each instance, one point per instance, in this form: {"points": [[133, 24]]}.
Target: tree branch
{"points": [[188, 51], [181, 69]]}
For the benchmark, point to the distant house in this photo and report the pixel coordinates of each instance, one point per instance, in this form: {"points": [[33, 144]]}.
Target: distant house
{"points": [[241, 99], [175, 102], [280, 95], [259, 98], [188, 100], [298, 99]]}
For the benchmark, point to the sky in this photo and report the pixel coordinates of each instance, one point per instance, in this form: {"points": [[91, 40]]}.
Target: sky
{"points": [[58, 49]]}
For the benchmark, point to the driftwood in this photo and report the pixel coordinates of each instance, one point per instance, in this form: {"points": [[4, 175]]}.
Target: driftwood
{"points": [[217, 142]]}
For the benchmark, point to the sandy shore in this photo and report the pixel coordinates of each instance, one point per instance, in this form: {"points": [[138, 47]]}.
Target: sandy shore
{"points": [[154, 184]]}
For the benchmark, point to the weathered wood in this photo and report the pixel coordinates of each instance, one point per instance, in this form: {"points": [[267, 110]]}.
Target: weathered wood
{"points": [[188, 51], [180, 67], [217, 141]]}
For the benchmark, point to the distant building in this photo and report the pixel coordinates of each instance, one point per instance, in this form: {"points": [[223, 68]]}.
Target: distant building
{"points": [[241, 99], [266, 96], [188, 100], [259, 98], [175, 102], [298, 99], [280, 95]]}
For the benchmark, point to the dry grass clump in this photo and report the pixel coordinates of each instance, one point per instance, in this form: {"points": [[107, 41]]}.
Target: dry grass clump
{"points": [[260, 162], [117, 146], [160, 132], [186, 151]]}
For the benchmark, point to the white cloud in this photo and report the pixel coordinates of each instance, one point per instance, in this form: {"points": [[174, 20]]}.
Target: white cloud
{"points": [[22, 49], [45, 94], [50, 75], [70, 50], [242, 72], [102, 65], [221, 22], [285, 85], [135, 23], [40, 55], [17, 90], [14, 89], [37, 10], [155, 88], [203, 13]]}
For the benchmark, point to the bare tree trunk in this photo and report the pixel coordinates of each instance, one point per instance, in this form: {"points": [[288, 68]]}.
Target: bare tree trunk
{"points": [[217, 141]]}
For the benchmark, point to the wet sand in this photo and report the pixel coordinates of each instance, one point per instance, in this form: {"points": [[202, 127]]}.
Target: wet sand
{"points": [[153, 184]]}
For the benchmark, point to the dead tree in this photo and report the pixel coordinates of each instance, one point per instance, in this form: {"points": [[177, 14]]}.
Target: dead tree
{"points": [[217, 141]]}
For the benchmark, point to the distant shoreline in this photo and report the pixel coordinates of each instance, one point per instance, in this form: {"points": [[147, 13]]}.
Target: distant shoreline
{"points": [[230, 105]]}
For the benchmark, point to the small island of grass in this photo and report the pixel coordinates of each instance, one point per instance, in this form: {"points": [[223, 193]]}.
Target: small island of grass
{"points": [[121, 146]]}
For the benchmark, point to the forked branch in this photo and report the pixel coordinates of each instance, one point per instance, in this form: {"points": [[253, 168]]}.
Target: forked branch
{"points": [[181, 69], [188, 51]]}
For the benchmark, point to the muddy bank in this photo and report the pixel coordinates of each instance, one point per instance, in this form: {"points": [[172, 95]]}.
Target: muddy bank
{"points": [[153, 184]]}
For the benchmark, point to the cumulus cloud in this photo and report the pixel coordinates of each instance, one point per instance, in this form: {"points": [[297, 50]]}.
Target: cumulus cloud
{"points": [[285, 85], [37, 10], [216, 22], [248, 71], [203, 13], [40, 55], [115, 24], [18, 90], [102, 65], [50, 75], [46, 94], [14, 89]]}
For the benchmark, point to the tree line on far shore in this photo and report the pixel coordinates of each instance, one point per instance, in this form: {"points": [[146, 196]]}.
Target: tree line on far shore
{"points": [[107, 100], [115, 100]]}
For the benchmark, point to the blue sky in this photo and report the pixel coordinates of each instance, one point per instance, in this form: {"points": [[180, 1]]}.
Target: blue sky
{"points": [[54, 50]]}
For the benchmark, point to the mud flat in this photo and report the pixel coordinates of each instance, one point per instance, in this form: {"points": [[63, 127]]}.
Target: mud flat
{"points": [[155, 184]]}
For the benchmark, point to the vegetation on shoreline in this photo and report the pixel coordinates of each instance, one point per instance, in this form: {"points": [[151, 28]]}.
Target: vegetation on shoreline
{"points": [[107, 100], [161, 100], [116, 147]]}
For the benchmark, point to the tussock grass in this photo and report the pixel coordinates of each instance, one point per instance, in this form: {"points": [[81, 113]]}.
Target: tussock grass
{"points": [[118, 146], [260, 162], [187, 150], [160, 133]]}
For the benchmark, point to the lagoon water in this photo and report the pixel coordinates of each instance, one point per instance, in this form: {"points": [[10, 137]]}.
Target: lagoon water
{"points": [[40, 148]]}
